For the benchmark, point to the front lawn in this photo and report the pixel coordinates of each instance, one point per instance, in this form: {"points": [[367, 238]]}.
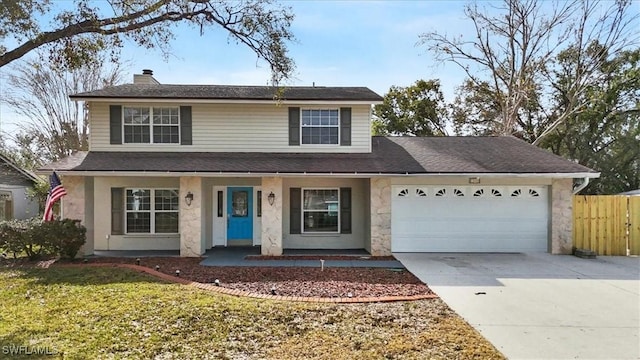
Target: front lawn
{"points": [[82, 313]]}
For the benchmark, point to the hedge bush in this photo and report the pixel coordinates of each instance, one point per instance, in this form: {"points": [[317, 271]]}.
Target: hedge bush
{"points": [[35, 238]]}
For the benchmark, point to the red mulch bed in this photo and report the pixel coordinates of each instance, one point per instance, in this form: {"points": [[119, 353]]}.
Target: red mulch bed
{"points": [[290, 281]]}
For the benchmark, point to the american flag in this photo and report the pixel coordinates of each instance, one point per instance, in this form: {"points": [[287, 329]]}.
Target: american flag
{"points": [[55, 193]]}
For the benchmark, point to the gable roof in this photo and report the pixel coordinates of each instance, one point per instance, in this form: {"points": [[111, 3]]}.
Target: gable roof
{"points": [[230, 92], [12, 174], [390, 155]]}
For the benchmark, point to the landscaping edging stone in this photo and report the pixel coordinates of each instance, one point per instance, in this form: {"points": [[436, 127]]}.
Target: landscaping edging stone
{"points": [[235, 292]]}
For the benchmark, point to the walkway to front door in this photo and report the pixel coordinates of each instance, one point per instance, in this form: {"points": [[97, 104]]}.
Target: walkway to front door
{"points": [[237, 256]]}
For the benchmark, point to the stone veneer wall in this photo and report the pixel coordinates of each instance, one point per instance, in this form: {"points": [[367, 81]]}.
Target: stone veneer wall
{"points": [[272, 216], [73, 205], [380, 216], [562, 216], [73, 202], [191, 240]]}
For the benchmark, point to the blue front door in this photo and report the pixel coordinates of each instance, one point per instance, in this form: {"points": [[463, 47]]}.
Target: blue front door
{"points": [[239, 213]]}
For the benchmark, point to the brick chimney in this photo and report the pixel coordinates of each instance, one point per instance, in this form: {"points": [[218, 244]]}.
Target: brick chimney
{"points": [[145, 78]]}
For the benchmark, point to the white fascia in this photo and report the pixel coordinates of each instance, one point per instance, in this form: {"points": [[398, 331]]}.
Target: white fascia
{"points": [[329, 174], [226, 101]]}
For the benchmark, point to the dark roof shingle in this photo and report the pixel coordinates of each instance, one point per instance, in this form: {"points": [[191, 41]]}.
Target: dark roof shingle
{"points": [[231, 92], [390, 155], [470, 154]]}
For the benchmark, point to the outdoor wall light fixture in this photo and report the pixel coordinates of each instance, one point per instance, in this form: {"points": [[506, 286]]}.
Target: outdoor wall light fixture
{"points": [[474, 180], [178, 273], [217, 282], [271, 198], [188, 198]]}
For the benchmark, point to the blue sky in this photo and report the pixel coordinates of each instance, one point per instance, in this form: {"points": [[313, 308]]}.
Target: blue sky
{"points": [[339, 43]]}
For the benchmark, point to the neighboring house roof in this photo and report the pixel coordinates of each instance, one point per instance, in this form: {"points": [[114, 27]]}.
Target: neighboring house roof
{"points": [[230, 92], [12, 174], [390, 155]]}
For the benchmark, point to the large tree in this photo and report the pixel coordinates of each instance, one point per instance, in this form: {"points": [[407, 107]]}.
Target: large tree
{"points": [[511, 57], [605, 133], [417, 110], [76, 33], [477, 110], [52, 126]]}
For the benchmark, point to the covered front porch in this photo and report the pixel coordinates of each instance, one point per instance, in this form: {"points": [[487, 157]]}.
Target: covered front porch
{"points": [[278, 213], [270, 213]]}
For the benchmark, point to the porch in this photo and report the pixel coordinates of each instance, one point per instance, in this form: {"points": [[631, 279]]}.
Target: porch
{"points": [[193, 214], [239, 256]]}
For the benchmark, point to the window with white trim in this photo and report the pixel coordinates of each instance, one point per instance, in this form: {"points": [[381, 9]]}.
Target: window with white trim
{"points": [[321, 210], [156, 125], [152, 211], [320, 126]]}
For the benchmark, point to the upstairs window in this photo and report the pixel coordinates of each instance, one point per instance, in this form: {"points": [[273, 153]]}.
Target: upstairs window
{"points": [[157, 125], [136, 125], [320, 126]]}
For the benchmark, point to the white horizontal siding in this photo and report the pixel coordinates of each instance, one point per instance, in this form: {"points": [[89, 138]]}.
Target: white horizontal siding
{"points": [[235, 127]]}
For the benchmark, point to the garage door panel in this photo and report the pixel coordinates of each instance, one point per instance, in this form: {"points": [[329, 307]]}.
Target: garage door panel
{"points": [[467, 223], [418, 227], [481, 230], [461, 243]]}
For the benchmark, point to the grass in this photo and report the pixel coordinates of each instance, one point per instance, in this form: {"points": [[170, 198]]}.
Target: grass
{"points": [[107, 313]]}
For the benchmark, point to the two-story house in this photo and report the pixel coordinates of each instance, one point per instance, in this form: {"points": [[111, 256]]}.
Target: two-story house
{"points": [[192, 167]]}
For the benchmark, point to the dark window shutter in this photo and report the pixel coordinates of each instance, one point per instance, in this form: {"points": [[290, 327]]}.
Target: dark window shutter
{"points": [[345, 210], [294, 126], [185, 125], [295, 215], [345, 126], [115, 124], [117, 211]]}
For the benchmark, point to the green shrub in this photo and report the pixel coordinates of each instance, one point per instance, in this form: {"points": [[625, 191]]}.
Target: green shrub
{"points": [[35, 238], [65, 237], [19, 237]]}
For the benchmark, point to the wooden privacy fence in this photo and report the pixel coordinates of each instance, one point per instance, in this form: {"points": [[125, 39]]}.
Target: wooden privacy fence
{"points": [[607, 224]]}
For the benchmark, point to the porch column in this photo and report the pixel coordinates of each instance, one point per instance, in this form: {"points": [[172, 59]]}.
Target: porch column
{"points": [[380, 216], [562, 216], [272, 216], [73, 206], [191, 239]]}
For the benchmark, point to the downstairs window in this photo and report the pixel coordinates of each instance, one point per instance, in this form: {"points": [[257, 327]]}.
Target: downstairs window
{"points": [[152, 211], [320, 210]]}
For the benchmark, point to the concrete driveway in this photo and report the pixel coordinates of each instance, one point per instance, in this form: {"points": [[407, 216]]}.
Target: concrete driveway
{"points": [[541, 306]]}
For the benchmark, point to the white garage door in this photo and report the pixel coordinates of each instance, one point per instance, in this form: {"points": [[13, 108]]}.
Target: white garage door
{"points": [[469, 218]]}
